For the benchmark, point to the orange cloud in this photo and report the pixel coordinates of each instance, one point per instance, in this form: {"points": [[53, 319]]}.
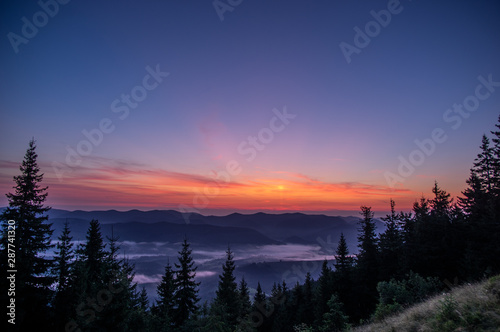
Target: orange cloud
{"points": [[119, 184]]}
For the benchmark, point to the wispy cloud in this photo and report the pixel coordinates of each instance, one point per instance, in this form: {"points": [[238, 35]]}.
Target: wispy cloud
{"points": [[204, 274], [113, 183], [144, 279]]}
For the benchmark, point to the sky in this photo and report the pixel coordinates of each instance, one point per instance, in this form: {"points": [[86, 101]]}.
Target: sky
{"points": [[242, 106]]}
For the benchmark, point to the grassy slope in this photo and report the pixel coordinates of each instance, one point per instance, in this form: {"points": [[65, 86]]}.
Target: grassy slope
{"points": [[467, 308]]}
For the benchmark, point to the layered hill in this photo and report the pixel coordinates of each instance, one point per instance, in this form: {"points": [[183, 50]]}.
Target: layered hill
{"points": [[172, 226]]}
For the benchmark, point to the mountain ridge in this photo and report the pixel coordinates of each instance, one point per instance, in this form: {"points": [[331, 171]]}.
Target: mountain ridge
{"points": [[256, 228]]}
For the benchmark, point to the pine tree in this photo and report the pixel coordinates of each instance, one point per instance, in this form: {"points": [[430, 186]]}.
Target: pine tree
{"points": [[481, 199], [367, 257], [410, 243], [390, 245], [141, 319], [427, 231], [63, 269], [496, 170], [441, 237], [284, 287], [143, 299], [260, 310], [343, 262], [112, 255], [165, 305], [334, 319], [227, 292], [421, 210], [89, 279], [285, 313], [217, 319], [494, 224], [93, 255], [440, 205], [120, 307], [297, 307], [245, 305], [474, 202], [343, 274], [367, 264], [106, 295], [481, 205], [324, 291], [274, 305], [186, 290], [279, 317], [416, 232], [484, 165], [63, 258], [259, 297], [308, 300], [32, 240]]}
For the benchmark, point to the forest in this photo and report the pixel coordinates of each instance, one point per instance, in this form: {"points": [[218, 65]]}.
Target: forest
{"points": [[441, 243]]}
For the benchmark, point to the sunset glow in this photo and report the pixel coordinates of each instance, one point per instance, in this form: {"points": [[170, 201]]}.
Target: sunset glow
{"points": [[261, 111], [142, 188]]}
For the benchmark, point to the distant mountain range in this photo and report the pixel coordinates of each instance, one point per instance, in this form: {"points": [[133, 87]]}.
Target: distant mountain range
{"points": [[171, 226]]}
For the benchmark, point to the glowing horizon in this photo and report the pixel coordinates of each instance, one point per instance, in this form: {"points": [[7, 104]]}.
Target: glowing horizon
{"points": [[143, 105], [136, 187]]}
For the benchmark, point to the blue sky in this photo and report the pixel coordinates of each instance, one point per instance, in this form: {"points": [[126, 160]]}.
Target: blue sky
{"points": [[353, 120]]}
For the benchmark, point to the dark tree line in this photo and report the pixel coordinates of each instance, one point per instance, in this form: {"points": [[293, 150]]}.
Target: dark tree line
{"points": [[88, 288]]}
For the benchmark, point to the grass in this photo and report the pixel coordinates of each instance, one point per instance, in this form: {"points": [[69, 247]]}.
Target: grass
{"points": [[471, 308]]}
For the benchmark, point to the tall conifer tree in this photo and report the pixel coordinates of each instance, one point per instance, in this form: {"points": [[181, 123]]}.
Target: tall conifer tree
{"points": [[343, 274], [390, 246], [261, 310], [324, 291], [227, 292], [186, 290], [63, 269], [89, 278], [308, 311], [165, 305], [244, 307], [367, 266], [32, 240], [343, 261], [245, 304]]}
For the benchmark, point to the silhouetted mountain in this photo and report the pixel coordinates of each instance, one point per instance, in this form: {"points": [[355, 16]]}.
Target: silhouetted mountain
{"points": [[286, 225], [167, 232], [296, 227], [236, 228], [113, 216]]}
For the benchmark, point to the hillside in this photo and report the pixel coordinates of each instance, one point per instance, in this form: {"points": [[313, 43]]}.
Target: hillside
{"points": [[467, 308]]}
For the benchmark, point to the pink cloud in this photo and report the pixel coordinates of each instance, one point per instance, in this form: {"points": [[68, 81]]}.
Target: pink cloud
{"points": [[204, 274], [144, 279]]}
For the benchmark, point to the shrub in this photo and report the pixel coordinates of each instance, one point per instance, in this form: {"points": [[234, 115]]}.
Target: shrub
{"points": [[394, 295], [447, 317]]}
